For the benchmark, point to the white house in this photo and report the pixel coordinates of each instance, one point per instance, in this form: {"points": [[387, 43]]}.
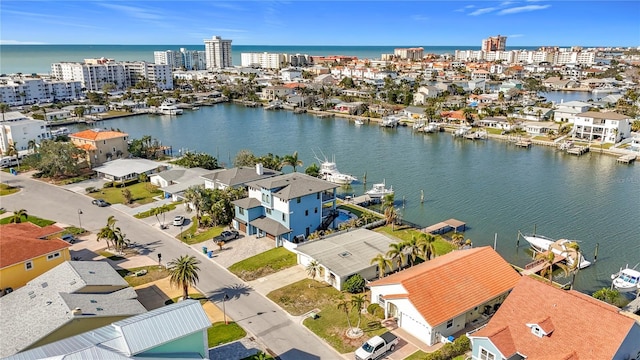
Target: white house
{"points": [[609, 127], [290, 74], [17, 129], [566, 111], [446, 295], [424, 93]]}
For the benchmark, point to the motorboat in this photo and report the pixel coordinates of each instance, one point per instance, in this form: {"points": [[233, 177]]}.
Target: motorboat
{"points": [[461, 131], [390, 121], [359, 122], [379, 191], [167, 109], [626, 280], [329, 171], [606, 89], [60, 131], [431, 128], [560, 247]]}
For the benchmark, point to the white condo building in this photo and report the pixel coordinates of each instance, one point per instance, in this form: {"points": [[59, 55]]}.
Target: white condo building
{"points": [[555, 57], [218, 53], [262, 60], [21, 90], [183, 59], [15, 128]]}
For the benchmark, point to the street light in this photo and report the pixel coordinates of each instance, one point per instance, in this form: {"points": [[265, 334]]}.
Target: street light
{"points": [[79, 218], [224, 310]]}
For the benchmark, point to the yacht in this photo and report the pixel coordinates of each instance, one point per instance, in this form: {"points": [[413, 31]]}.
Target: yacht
{"points": [[359, 122], [560, 247], [329, 171], [390, 121], [626, 280], [379, 191], [167, 109], [60, 131]]}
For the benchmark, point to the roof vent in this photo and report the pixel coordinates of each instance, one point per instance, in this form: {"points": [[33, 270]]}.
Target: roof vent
{"points": [[76, 312], [99, 309], [44, 284], [93, 301], [344, 254]]}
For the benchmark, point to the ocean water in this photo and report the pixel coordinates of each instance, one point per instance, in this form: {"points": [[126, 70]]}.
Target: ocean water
{"points": [[29, 59]]}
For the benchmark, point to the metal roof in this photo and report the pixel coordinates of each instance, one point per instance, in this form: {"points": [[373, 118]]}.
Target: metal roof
{"points": [[123, 167], [293, 185]]}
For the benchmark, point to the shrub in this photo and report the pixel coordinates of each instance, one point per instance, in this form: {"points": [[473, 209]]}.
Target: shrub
{"points": [[90, 189], [354, 284], [108, 184], [450, 350], [376, 310]]}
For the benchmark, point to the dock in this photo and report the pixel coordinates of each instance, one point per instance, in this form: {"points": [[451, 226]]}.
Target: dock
{"points": [[626, 159], [445, 227], [578, 150], [523, 143], [537, 266]]}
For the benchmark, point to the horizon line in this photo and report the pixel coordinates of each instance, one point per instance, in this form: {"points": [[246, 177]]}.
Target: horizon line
{"points": [[326, 45]]}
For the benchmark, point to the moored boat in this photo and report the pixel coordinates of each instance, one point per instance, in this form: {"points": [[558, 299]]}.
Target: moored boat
{"points": [[562, 247], [379, 190], [626, 280], [329, 171]]}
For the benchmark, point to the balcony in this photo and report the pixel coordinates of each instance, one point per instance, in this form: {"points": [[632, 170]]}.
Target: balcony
{"points": [[327, 197]]}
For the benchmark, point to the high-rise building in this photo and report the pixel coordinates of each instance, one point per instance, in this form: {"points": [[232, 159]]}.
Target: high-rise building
{"points": [[262, 60], [183, 59], [414, 54], [217, 52], [494, 43]]}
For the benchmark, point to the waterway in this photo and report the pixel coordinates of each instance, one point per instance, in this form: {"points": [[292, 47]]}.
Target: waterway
{"points": [[493, 186]]}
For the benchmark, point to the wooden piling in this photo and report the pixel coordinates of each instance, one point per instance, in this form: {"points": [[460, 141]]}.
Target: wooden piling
{"points": [[421, 196], [595, 256]]}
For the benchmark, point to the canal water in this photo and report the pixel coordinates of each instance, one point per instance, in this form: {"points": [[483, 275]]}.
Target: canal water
{"points": [[493, 186]]}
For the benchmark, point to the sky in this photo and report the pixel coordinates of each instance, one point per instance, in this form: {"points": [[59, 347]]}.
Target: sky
{"points": [[319, 22]]}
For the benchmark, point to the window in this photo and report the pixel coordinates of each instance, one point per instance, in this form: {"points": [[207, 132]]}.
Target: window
{"points": [[449, 323], [318, 196], [268, 211], [28, 265], [315, 210], [284, 217], [298, 200], [240, 211], [53, 256], [306, 213], [486, 355]]}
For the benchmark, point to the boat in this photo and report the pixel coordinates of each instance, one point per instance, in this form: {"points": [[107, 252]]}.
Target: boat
{"points": [[431, 128], [560, 247], [329, 171], [195, 108], [390, 121], [359, 122], [461, 131], [606, 89], [167, 109], [626, 280], [379, 191], [60, 131]]}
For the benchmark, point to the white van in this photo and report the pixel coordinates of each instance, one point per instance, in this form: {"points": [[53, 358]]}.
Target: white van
{"points": [[8, 161]]}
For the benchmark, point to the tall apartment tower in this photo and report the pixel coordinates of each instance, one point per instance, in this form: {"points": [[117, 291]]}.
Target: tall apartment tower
{"points": [[217, 52], [494, 43]]}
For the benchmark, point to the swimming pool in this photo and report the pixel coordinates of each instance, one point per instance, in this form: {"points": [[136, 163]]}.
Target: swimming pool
{"points": [[344, 216]]}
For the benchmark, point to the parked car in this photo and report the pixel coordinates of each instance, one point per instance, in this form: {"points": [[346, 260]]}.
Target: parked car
{"points": [[178, 220], [100, 203], [226, 236], [69, 238], [377, 346]]}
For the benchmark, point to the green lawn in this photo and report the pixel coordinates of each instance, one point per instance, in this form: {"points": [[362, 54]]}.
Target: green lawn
{"points": [[304, 296], [220, 333], [418, 355], [32, 219], [263, 264], [357, 211], [146, 214], [142, 193], [6, 189], [111, 256], [441, 245], [493, 131], [153, 273], [194, 235]]}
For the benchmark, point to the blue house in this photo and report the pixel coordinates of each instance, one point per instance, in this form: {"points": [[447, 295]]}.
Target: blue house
{"points": [[286, 208]]}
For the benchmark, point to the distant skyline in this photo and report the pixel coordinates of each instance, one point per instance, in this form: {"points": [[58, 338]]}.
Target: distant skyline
{"points": [[308, 22]]}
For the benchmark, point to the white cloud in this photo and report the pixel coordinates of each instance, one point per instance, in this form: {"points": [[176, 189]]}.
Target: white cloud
{"points": [[525, 8], [135, 12], [18, 42], [482, 11]]}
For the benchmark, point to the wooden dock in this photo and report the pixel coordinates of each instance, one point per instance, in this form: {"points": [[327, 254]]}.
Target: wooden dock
{"points": [[578, 150], [524, 143], [626, 159], [537, 266]]}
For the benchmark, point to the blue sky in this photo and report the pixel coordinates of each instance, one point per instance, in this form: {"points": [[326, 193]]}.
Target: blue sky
{"points": [[302, 22]]}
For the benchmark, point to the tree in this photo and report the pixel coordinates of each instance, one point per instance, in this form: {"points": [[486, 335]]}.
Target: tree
{"points": [[127, 195], [548, 259], [12, 150], [313, 269], [357, 303], [345, 305], [354, 284], [412, 248], [58, 159], [610, 296], [457, 239], [383, 263], [184, 272], [197, 200], [32, 146], [292, 160], [160, 210], [312, 170], [108, 233], [396, 254], [17, 216], [4, 108], [79, 111], [426, 243], [244, 158]]}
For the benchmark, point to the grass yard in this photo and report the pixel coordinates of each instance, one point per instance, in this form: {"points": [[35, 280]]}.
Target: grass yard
{"points": [[153, 273], [141, 193], [30, 218], [220, 333], [304, 296], [109, 255], [441, 245], [194, 235], [146, 214], [195, 296], [418, 355], [493, 131], [266, 263], [7, 189]]}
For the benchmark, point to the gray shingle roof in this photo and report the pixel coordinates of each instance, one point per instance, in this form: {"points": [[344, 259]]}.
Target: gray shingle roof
{"points": [[291, 186], [357, 247], [239, 175], [270, 226], [604, 115], [247, 203]]}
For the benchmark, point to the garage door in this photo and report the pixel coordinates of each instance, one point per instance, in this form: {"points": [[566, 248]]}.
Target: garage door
{"points": [[413, 326], [243, 227], [271, 236]]}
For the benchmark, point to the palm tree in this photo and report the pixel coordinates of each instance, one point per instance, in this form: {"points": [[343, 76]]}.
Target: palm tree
{"points": [[160, 210], [383, 263], [197, 199], [12, 150], [120, 241], [426, 243], [357, 302], [548, 259], [390, 213], [313, 269], [184, 272], [32, 146], [17, 216], [4, 108], [457, 239], [292, 160], [345, 305], [108, 233], [396, 254], [412, 247]]}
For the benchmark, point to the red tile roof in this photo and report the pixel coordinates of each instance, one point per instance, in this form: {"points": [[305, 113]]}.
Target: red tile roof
{"points": [[23, 241], [449, 285], [582, 327], [97, 135]]}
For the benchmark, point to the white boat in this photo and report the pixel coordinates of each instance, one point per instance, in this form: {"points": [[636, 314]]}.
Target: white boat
{"points": [[379, 191], [329, 171], [626, 280], [606, 89], [60, 131], [560, 247], [461, 131], [359, 122], [390, 121], [431, 128], [167, 109]]}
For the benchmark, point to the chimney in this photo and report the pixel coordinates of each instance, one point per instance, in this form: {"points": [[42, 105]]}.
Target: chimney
{"points": [[76, 312], [259, 170]]}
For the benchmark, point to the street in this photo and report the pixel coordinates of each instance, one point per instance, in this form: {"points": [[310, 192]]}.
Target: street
{"points": [[257, 315]]}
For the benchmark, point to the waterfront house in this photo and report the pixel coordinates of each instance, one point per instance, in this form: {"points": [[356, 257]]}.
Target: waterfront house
{"points": [[446, 295], [275, 92], [100, 145], [286, 208], [496, 123], [567, 111], [176, 331], [28, 251], [351, 108], [424, 93], [73, 297], [538, 321], [608, 127], [535, 113], [413, 112], [537, 129], [345, 254], [57, 115], [237, 176], [18, 130], [174, 182], [121, 170]]}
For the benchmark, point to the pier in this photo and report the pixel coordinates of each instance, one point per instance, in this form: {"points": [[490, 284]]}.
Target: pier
{"points": [[537, 266], [526, 143], [446, 226], [578, 150], [626, 159]]}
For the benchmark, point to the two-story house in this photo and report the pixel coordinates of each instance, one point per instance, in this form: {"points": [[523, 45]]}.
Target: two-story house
{"points": [[237, 176], [101, 145], [539, 321], [608, 127], [28, 251], [286, 208], [567, 111]]}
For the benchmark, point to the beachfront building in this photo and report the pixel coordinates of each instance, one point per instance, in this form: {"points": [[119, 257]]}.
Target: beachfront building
{"points": [[262, 60], [217, 53], [101, 145], [21, 90], [158, 75], [413, 54], [539, 321], [494, 43], [183, 59], [286, 208], [18, 130], [608, 127]]}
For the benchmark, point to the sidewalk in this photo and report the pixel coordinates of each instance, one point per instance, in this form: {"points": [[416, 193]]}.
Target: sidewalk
{"points": [[267, 284]]}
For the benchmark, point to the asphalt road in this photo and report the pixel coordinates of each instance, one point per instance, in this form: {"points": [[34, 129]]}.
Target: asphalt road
{"points": [[272, 326]]}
